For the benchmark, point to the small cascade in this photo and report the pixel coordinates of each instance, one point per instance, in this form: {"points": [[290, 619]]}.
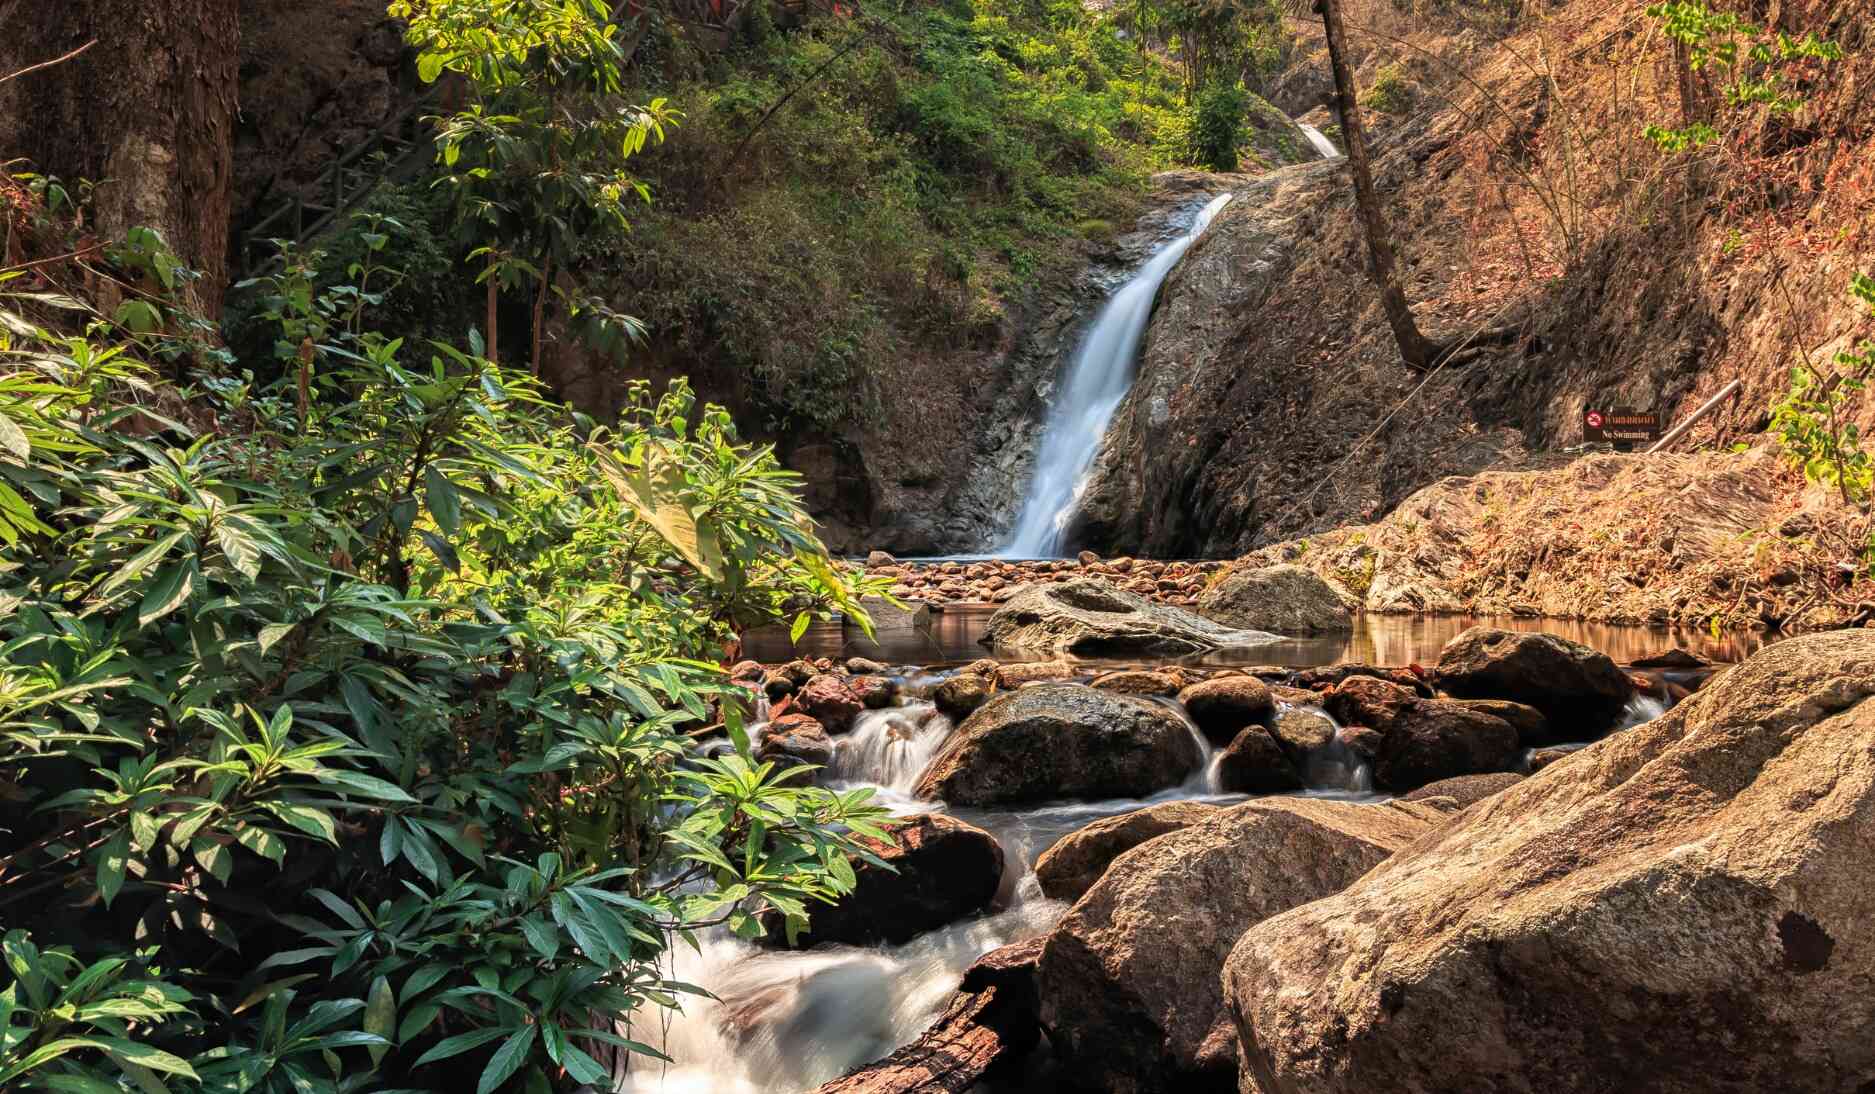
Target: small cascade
{"points": [[1640, 710], [1096, 380], [890, 748], [1323, 146]]}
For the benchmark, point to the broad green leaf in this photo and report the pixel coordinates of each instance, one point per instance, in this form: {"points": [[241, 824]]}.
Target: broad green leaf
{"points": [[442, 500], [506, 1061], [166, 592], [113, 857], [655, 495], [239, 547], [380, 1016], [13, 440], [461, 1043]]}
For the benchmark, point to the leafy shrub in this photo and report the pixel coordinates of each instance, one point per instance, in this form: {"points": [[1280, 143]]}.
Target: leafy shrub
{"points": [[347, 721], [1390, 92], [1217, 133]]}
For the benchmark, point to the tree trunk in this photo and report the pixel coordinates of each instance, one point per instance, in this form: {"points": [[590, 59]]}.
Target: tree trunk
{"points": [[147, 114], [1419, 352]]}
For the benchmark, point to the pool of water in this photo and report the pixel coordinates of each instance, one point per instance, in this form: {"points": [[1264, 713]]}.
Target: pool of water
{"points": [[956, 631]]}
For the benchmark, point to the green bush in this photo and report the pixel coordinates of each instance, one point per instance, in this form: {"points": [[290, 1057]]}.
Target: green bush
{"points": [[347, 721], [1217, 128], [1390, 93]]}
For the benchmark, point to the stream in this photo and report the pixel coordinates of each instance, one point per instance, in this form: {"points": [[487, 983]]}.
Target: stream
{"points": [[784, 1022]]}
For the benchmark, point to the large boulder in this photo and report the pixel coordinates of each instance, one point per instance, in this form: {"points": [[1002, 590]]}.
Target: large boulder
{"points": [[1050, 741], [1223, 705], [1683, 908], [795, 739], [1089, 617], [1075, 862], [1287, 599], [962, 694], [942, 870], [1432, 739], [1579, 690], [1466, 789], [1128, 979]]}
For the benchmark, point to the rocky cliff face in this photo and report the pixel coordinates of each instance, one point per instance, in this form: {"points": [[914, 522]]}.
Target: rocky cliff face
{"points": [[1272, 403]]}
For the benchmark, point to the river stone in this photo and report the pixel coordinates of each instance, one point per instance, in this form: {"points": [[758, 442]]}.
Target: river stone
{"points": [[874, 692], [1286, 599], [942, 870], [1302, 731], [961, 694], [1367, 701], [1683, 907], [1580, 690], [1139, 682], [1092, 618], [1075, 862], [1128, 979], [887, 616], [1051, 741], [1221, 706], [795, 737], [1532, 728], [1254, 763], [1466, 789], [831, 700], [866, 666], [1014, 674], [1433, 739]]}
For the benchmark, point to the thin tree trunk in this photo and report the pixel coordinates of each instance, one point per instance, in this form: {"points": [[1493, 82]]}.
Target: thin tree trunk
{"points": [[147, 114], [1416, 349], [494, 300], [540, 312]]}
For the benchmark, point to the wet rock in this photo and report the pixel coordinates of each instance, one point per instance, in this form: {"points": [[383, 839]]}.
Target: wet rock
{"points": [[1286, 599], [775, 685], [887, 616], [1675, 658], [865, 666], [1089, 617], [1361, 742], [963, 693], [1075, 862], [1051, 741], [880, 558], [1014, 674], [1254, 763], [798, 671], [1578, 689], [1328, 676], [1367, 701], [795, 737], [1301, 732], [1221, 706], [990, 1021], [874, 692], [1465, 789], [943, 870], [1533, 730], [747, 672], [1128, 979], [1686, 901], [1543, 757], [1433, 739], [1139, 682], [832, 702]]}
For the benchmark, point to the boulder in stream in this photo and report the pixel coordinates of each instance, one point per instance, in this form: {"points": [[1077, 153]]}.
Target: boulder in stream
{"points": [[1683, 907], [1416, 741], [962, 693], [1581, 691], [1075, 862], [1052, 741], [1221, 706], [795, 739], [832, 701], [942, 870], [1092, 618], [1286, 599], [1129, 978]]}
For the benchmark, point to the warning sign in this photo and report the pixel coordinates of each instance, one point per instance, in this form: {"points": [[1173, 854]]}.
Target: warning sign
{"points": [[1621, 424]]}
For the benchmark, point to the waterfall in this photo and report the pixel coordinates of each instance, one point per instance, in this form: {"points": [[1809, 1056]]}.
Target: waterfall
{"points": [[1096, 380], [890, 748], [1322, 144]]}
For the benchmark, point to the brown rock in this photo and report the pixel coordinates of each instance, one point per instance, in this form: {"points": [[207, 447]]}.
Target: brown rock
{"points": [[1366, 701], [942, 870], [1128, 979], [1434, 739], [1051, 741], [831, 700], [1014, 674], [1138, 682], [1075, 862], [1684, 906], [795, 737], [1253, 763], [1301, 732], [1286, 599], [1578, 689], [1465, 789], [864, 666], [1533, 730], [874, 692], [1221, 706], [963, 693]]}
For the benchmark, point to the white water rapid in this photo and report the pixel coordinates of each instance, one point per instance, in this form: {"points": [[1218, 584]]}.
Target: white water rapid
{"points": [[1322, 144], [1096, 380]]}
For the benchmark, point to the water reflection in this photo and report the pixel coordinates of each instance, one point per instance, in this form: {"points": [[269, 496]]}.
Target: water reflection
{"points": [[1376, 639]]}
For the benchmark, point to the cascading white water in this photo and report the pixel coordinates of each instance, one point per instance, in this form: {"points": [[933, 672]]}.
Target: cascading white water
{"points": [[890, 748], [1096, 380], [1322, 144]]}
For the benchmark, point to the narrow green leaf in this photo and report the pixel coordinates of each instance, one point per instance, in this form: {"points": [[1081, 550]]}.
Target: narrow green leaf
{"points": [[506, 1061]]}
